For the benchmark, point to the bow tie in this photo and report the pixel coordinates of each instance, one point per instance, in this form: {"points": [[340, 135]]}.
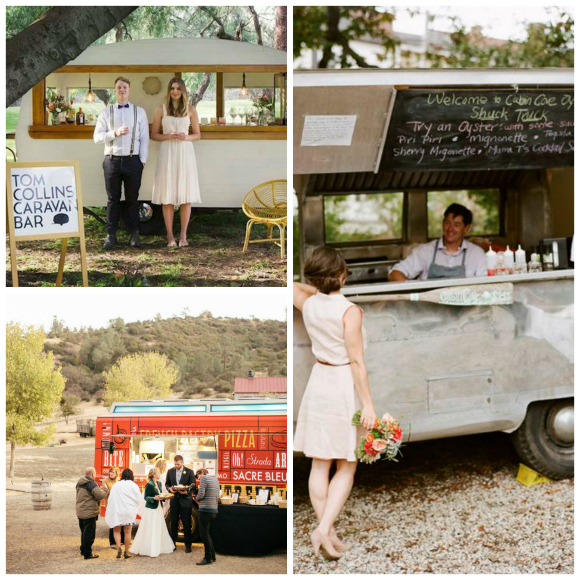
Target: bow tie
{"points": [[123, 106]]}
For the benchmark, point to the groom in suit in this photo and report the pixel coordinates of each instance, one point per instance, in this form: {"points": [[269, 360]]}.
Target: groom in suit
{"points": [[181, 503]]}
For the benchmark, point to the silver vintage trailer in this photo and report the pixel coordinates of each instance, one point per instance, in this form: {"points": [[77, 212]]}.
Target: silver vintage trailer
{"points": [[376, 153]]}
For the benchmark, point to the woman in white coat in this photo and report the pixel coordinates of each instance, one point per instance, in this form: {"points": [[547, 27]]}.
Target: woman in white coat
{"points": [[122, 509]]}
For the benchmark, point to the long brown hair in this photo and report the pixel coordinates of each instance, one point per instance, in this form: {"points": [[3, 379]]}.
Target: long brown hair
{"points": [[181, 110]]}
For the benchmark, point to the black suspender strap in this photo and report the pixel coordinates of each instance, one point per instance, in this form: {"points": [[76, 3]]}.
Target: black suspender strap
{"points": [[134, 130]]}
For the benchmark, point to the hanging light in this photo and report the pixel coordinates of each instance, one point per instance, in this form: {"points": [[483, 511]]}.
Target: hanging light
{"points": [[244, 90], [90, 98]]}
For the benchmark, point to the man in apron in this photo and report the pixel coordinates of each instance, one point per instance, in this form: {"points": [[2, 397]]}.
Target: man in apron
{"points": [[124, 129], [450, 256]]}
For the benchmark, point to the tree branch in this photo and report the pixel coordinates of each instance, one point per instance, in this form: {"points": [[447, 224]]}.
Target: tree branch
{"points": [[257, 26]]}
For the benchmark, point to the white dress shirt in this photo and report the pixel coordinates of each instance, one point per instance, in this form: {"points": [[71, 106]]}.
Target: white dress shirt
{"points": [[123, 117], [418, 262]]}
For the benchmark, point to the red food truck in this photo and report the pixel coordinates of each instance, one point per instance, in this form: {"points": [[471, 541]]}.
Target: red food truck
{"points": [[242, 442]]}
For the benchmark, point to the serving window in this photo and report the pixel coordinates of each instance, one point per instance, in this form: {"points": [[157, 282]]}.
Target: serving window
{"points": [[260, 107]]}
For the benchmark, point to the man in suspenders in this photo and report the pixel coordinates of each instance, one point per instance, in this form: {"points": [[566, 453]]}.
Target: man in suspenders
{"points": [[124, 129]]}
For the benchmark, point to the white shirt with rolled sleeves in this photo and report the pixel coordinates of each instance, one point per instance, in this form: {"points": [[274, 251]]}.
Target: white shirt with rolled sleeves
{"points": [[123, 117], [418, 262]]}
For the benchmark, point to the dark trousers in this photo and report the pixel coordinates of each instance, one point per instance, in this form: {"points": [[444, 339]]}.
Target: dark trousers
{"points": [[88, 528], [112, 536], [205, 522], [119, 172], [181, 510]]}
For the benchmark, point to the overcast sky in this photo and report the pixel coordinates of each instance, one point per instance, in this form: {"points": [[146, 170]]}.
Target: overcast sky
{"points": [[95, 307], [497, 21]]}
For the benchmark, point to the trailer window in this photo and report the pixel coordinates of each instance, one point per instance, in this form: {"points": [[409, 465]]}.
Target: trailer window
{"points": [[484, 203], [367, 217], [203, 85], [103, 97]]}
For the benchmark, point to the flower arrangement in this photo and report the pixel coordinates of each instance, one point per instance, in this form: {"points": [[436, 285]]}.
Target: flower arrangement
{"points": [[385, 438], [56, 104]]}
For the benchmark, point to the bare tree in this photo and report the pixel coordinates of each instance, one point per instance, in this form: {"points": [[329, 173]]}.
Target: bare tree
{"points": [[257, 26], [63, 32], [281, 29], [221, 32], [198, 95]]}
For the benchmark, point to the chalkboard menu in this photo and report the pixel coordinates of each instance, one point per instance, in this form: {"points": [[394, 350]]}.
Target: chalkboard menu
{"points": [[480, 129]]}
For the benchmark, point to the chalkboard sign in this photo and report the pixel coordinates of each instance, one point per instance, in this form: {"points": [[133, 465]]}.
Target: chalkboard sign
{"points": [[483, 129]]}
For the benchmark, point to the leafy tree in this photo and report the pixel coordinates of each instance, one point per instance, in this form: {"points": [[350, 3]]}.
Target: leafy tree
{"points": [[33, 388], [117, 324], [140, 376], [181, 362], [333, 29], [69, 406], [56, 328]]}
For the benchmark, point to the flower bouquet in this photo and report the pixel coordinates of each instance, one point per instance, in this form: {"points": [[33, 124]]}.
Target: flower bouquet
{"points": [[384, 438], [55, 104]]}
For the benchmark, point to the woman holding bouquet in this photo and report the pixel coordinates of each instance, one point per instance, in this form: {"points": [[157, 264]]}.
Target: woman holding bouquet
{"points": [[176, 181], [337, 386]]}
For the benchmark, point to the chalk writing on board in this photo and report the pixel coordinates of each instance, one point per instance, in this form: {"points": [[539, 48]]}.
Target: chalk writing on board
{"points": [[480, 130], [328, 130]]}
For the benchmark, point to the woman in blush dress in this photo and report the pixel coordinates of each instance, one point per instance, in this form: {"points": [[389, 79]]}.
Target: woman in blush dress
{"points": [[161, 464], [152, 536], [176, 181], [337, 388]]}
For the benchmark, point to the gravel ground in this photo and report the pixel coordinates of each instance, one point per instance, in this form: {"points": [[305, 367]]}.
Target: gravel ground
{"points": [[47, 542], [449, 506]]}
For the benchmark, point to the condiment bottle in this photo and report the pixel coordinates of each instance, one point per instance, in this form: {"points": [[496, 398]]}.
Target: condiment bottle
{"points": [[508, 256], [491, 260], [535, 265], [500, 269], [520, 266]]}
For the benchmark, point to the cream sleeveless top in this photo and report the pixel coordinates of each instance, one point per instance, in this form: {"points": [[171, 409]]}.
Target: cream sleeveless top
{"points": [[322, 315]]}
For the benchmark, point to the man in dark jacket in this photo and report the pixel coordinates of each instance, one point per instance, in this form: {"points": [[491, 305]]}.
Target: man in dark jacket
{"points": [[181, 504], [89, 496]]}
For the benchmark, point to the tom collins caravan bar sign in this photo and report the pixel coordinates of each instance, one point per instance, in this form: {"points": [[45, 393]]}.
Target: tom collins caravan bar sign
{"points": [[480, 129]]}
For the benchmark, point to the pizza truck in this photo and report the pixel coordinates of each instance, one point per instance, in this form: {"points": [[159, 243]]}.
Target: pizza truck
{"points": [[242, 442], [378, 156]]}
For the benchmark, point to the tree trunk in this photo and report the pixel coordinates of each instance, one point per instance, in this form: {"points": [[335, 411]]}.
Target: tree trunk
{"points": [[66, 419], [55, 39], [12, 453], [198, 96], [281, 29], [257, 26]]}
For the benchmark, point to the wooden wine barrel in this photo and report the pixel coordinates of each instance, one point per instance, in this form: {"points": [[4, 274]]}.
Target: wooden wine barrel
{"points": [[41, 495]]}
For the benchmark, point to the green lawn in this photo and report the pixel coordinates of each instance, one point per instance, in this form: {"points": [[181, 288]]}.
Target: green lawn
{"points": [[11, 122]]}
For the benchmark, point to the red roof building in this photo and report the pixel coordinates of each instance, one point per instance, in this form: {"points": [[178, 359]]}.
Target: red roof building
{"points": [[257, 385]]}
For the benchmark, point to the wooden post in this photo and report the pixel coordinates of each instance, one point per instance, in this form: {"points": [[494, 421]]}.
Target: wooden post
{"points": [[61, 262], [39, 113], [219, 95]]}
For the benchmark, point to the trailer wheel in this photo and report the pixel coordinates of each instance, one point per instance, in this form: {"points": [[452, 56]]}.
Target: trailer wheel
{"points": [[150, 218], [194, 526], [545, 440]]}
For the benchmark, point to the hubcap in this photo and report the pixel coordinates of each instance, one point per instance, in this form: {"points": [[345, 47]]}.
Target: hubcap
{"points": [[145, 212], [560, 424]]}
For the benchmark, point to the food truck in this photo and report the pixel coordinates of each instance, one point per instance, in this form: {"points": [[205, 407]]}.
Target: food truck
{"points": [[378, 155], [232, 156], [241, 442]]}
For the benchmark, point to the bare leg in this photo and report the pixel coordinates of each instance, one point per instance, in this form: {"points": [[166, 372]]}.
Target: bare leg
{"points": [[185, 214], [338, 492], [318, 484], [168, 212], [117, 536], [127, 537]]}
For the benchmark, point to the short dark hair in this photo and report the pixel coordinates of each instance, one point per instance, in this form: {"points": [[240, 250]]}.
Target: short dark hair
{"points": [[178, 458], [457, 209], [127, 475], [201, 472], [324, 268], [124, 79]]}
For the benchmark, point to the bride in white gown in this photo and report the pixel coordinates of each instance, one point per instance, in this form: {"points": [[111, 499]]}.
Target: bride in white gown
{"points": [[152, 537]]}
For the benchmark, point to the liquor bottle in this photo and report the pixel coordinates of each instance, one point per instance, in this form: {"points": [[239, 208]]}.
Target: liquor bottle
{"points": [[71, 114], [80, 117]]}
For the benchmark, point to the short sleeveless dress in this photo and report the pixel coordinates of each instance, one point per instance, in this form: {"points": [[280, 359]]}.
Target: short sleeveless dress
{"points": [[324, 428], [176, 180]]}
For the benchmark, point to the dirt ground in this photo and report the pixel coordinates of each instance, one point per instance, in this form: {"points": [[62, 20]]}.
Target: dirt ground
{"points": [[51, 538], [213, 258]]}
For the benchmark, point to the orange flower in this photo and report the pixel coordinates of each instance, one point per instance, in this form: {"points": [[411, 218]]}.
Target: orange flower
{"points": [[370, 438]]}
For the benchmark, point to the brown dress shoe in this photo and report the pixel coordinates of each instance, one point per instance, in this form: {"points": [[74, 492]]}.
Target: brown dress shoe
{"points": [[187, 549]]}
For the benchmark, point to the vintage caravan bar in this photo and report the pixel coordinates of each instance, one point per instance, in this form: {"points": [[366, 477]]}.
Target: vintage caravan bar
{"points": [[231, 158], [241, 442], [378, 156]]}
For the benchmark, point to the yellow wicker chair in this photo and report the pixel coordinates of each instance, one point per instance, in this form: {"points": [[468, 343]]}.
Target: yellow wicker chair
{"points": [[266, 204]]}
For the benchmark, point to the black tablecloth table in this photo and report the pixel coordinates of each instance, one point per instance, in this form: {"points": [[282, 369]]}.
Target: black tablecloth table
{"points": [[248, 530]]}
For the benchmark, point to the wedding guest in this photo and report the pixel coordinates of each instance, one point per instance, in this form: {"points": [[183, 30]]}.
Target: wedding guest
{"points": [[207, 497], [122, 509], [109, 482], [337, 388], [176, 181], [88, 500], [181, 504], [161, 464], [152, 537], [124, 129]]}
